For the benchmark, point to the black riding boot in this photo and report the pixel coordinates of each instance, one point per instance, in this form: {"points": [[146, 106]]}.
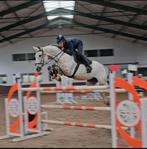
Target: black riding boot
{"points": [[86, 62], [88, 68]]}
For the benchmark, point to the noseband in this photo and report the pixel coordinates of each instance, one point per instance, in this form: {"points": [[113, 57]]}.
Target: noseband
{"points": [[42, 57]]}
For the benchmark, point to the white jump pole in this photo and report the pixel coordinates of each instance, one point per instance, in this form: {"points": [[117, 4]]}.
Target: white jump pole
{"points": [[144, 121], [129, 78], [73, 89], [88, 108], [39, 103], [67, 88], [21, 102], [112, 105]]}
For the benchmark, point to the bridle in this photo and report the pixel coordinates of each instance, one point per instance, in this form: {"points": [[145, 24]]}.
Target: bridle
{"points": [[42, 62], [42, 58]]}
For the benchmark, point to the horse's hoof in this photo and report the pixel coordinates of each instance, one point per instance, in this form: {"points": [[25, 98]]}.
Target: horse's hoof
{"points": [[108, 103]]}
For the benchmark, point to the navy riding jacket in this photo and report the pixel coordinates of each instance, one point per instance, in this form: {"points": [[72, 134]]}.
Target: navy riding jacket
{"points": [[71, 45]]}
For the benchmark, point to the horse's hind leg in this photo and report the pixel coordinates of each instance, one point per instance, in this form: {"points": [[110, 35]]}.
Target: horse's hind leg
{"points": [[92, 81]]}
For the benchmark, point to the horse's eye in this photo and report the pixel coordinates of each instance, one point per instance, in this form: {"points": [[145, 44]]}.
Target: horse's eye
{"points": [[39, 55]]}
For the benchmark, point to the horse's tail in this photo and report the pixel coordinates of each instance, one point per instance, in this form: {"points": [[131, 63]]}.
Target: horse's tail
{"points": [[103, 76]]}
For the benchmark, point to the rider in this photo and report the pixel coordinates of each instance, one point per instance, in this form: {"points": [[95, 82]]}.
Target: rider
{"points": [[74, 47]]}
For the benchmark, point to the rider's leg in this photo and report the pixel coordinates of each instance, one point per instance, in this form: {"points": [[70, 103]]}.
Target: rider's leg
{"points": [[80, 47], [87, 63], [84, 61]]}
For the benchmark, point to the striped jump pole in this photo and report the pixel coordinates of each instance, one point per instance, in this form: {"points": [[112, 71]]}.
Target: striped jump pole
{"points": [[73, 89], [77, 124], [66, 107], [69, 88]]}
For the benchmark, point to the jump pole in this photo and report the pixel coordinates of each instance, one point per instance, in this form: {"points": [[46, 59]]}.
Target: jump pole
{"points": [[73, 89], [130, 97], [77, 124], [69, 88], [144, 121], [112, 105], [88, 108]]}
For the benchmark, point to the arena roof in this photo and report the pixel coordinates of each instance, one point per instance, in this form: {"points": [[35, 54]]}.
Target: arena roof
{"points": [[20, 19]]}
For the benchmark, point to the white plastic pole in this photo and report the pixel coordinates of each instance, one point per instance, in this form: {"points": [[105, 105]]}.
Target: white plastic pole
{"points": [[20, 96], [144, 121], [39, 103], [112, 105], [132, 130]]}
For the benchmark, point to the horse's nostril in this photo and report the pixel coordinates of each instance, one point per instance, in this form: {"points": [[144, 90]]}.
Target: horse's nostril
{"points": [[38, 69]]}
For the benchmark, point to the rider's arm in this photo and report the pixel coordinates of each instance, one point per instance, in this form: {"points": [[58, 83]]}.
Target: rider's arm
{"points": [[80, 47], [70, 49]]}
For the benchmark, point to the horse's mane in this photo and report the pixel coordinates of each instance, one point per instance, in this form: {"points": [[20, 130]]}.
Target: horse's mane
{"points": [[54, 45]]}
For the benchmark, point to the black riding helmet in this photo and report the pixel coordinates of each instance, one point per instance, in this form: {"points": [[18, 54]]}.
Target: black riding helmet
{"points": [[60, 38]]}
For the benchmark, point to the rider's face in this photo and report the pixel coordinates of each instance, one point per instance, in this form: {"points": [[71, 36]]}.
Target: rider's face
{"points": [[61, 44]]}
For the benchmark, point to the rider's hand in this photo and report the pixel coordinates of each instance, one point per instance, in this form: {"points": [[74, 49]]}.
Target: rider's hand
{"points": [[76, 50]]}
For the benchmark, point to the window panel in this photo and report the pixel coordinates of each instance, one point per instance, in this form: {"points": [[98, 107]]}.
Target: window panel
{"points": [[91, 53], [106, 52], [142, 71], [52, 5], [18, 57], [31, 56], [23, 57]]}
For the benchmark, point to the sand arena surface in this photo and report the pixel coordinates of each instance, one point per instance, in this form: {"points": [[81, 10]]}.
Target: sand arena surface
{"points": [[66, 136]]}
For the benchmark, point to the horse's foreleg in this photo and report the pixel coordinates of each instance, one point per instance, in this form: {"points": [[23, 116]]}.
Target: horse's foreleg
{"points": [[58, 78]]}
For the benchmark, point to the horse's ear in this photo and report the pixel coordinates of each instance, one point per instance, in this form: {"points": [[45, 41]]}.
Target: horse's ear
{"points": [[36, 49]]}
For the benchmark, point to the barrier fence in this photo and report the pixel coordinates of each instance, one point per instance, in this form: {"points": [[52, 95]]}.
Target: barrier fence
{"points": [[125, 115]]}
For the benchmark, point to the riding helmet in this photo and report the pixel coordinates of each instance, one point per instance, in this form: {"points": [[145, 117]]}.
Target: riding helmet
{"points": [[60, 38]]}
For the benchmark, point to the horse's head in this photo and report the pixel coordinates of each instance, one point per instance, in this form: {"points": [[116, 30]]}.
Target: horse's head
{"points": [[41, 58]]}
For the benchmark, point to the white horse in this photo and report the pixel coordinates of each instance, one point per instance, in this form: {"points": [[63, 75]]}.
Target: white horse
{"points": [[69, 67]]}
